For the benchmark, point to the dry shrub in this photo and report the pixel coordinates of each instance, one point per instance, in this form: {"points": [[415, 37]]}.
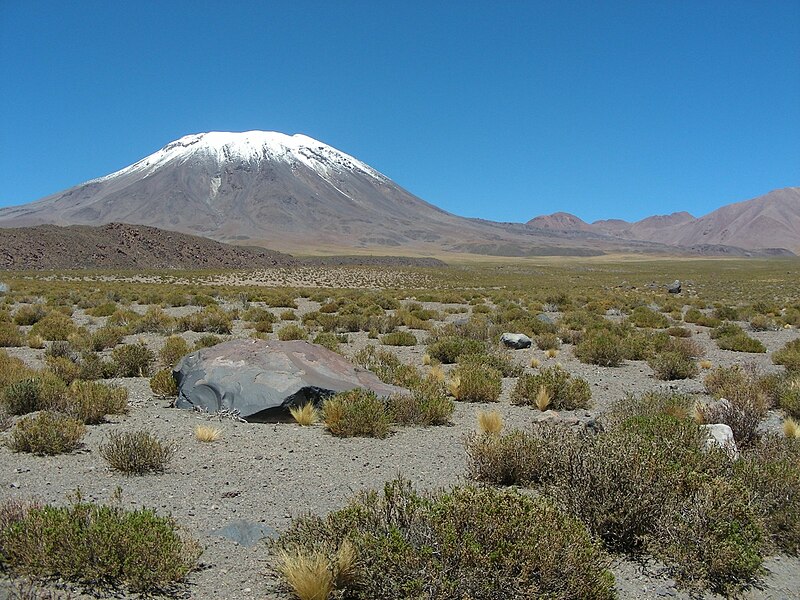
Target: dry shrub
{"points": [[730, 336], [789, 396], [358, 412], [448, 350], [10, 336], [490, 421], [21, 397], [428, 404], [600, 347], [46, 433], [305, 415], [30, 315], [309, 575], [788, 356], [742, 404], [399, 338], [55, 326], [292, 332], [133, 360], [467, 542], [137, 452]]}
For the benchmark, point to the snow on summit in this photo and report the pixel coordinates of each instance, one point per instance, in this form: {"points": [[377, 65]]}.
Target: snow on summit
{"points": [[250, 146]]}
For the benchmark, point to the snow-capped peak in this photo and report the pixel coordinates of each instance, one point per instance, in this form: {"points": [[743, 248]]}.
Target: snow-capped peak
{"points": [[249, 146]]}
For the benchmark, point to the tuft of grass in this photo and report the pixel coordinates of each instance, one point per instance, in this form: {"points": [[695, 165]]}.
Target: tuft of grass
{"points": [[535, 363], [490, 421], [543, 398], [207, 433], [551, 353], [137, 452], [705, 364], [791, 428], [46, 433], [426, 359], [305, 415], [309, 575]]}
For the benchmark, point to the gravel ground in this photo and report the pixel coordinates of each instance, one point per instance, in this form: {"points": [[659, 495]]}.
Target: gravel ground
{"points": [[267, 473]]}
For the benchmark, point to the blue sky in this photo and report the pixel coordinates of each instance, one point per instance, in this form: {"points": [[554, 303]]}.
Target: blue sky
{"points": [[497, 110]]}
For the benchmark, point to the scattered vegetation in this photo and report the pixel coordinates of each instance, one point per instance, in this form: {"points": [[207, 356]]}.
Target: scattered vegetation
{"points": [[566, 392], [46, 433], [137, 452]]}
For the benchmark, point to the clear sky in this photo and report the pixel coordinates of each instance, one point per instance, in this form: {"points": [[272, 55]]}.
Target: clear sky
{"points": [[501, 110]]}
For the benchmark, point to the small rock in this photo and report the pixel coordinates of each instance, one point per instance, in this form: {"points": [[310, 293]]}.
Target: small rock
{"points": [[518, 341], [674, 287], [721, 436]]}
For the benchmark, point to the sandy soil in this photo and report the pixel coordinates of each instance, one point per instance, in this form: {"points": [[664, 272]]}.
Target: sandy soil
{"points": [[267, 473]]}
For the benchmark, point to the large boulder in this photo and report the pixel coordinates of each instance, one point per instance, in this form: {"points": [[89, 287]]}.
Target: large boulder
{"points": [[674, 287], [259, 379], [517, 341]]}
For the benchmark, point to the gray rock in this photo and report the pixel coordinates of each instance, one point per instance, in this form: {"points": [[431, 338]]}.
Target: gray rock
{"points": [[259, 379], [516, 340], [3, 288], [721, 436], [674, 287], [546, 318], [245, 533]]}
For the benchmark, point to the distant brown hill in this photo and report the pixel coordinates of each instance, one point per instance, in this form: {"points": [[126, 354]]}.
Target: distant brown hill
{"points": [[771, 221], [122, 246]]}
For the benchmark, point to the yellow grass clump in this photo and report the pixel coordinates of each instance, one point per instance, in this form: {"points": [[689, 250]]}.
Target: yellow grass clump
{"points": [[490, 421], [705, 364], [207, 433], [551, 353], [426, 359], [305, 415], [454, 386], [543, 398], [535, 363], [309, 576], [437, 372], [791, 428]]}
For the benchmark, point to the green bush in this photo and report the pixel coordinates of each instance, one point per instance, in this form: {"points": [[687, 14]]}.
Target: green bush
{"points": [[548, 341], [330, 340], [789, 397], [10, 337], [137, 452], [96, 545], [714, 538], [30, 315], [448, 350], [102, 310], [730, 336], [211, 319], [566, 392], [55, 326], [474, 382], [399, 338], [788, 356], [292, 332], [358, 412], [600, 347], [695, 316], [90, 401], [387, 366], [467, 542], [64, 368], [428, 405], [673, 364], [163, 385], [46, 433], [499, 360], [650, 319], [133, 360], [174, 349], [770, 470], [106, 337], [21, 397]]}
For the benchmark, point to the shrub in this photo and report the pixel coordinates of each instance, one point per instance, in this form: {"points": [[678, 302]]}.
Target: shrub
{"points": [[548, 341], [46, 433], [137, 452], [387, 367], [399, 338], [770, 470], [789, 397], [477, 383], [673, 364], [328, 340], [650, 319], [30, 315], [163, 385], [210, 319], [478, 543], [102, 310], [358, 412], [566, 392], [174, 349], [65, 369], [448, 350], [98, 545], [292, 332], [761, 323], [55, 326], [106, 337], [713, 538], [600, 347], [499, 360], [133, 360], [730, 336], [21, 397], [207, 341], [427, 406], [679, 332], [10, 337], [788, 356], [90, 401], [744, 405]]}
